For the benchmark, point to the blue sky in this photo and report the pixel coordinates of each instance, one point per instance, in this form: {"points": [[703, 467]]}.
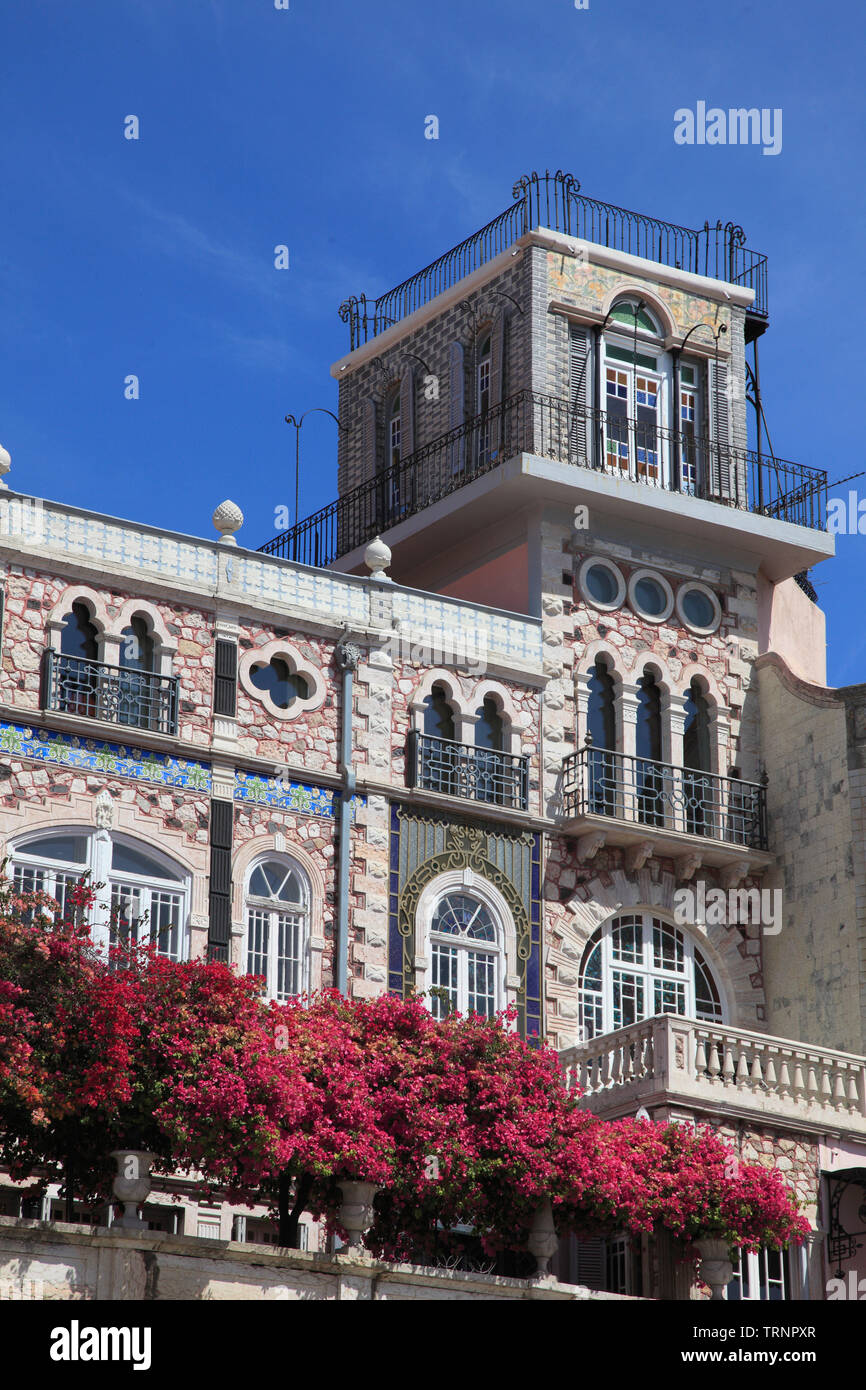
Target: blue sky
{"points": [[305, 127]]}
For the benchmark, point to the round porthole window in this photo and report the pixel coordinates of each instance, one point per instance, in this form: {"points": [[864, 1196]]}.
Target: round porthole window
{"points": [[699, 608], [601, 583], [650, 596]]}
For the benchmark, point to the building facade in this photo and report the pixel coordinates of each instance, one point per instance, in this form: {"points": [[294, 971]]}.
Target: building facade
{"points": [[560, 739]]}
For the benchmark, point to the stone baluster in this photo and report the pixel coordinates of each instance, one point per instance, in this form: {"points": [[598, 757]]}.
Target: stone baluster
{"points": [[728, 1067], [713, 1066], [826, 1088], [784, 1078], [770, 1071]]}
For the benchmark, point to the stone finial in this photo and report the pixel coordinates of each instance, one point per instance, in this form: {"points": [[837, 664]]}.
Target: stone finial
{"points": [[227, 519], [6, 464], [377, 558]]}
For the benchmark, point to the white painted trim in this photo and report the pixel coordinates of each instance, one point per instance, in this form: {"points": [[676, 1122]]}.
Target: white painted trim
{"points": [[470, 882], [704, 285]]}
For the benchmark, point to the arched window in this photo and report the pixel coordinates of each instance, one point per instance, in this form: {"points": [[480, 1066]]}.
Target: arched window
{"points": [[75, 677], [438, 714], [440, 757], [277, 927], [390, 484], [136, 647], [650, 777], [138, 699], [51, 864], [78, 636], [700, 794], [601, 728], [141, 895], [635, 383], [491, 776], [489, 727], [465, 957], [147, 900], [638, 966]]}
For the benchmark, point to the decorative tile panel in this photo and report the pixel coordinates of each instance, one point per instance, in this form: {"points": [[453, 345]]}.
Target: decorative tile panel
{"points": [[291, 796], [143, 765], [109, 759]]}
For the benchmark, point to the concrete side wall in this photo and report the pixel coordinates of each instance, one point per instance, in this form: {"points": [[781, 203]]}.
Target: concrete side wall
{"points": [[790, 624], [813, 966]]}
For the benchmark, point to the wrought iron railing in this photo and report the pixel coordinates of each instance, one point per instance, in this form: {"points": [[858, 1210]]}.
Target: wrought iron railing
{"points": [[95, 690], [459, 769], [555, 201], [552, 428], [596, 782]]}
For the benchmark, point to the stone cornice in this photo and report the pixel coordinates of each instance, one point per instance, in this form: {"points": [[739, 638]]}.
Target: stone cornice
{"points": [[822, 697]]}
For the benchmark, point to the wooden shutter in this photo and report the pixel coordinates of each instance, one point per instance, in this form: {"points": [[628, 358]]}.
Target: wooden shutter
{"points": [[457, 402], [578, 395], [225, 677], [369, 442], [589, 1264], [498, 383], [220, 896], [407, 413], [721, 479]]}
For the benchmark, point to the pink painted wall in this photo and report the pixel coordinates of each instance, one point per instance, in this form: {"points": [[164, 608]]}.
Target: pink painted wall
{"points": [[792, 625], [501, 583]]}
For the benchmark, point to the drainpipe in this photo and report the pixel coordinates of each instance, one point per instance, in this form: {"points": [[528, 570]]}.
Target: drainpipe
{"points": [[347, 656]]}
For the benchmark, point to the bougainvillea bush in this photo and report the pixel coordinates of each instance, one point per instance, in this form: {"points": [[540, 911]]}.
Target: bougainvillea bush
{"points": [[458, 1121]]}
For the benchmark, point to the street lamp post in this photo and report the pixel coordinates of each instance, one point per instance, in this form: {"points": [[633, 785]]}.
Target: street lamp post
{"points": [[297, 423]]}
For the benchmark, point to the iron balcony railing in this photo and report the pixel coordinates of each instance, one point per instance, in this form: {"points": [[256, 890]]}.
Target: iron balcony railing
{"points": [[552, 428], [555, 201], [643, 791], [95, 690], [459, 769]]}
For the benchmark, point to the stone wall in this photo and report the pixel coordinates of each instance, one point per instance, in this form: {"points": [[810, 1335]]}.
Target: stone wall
{"points": [[80, 1263], [379, 378]]}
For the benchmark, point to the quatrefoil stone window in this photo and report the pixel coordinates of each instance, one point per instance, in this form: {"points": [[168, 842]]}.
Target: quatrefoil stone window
{"points": [[278, 677]]}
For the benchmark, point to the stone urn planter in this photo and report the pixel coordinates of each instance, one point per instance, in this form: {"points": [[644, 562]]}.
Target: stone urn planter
{"points": [[716, 1265], [131, 1186], [543, 1240], [356, 1210]]}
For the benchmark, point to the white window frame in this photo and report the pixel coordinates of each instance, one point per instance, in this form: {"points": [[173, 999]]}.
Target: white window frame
{"points": [[620, 336], [602, 562], [687, 588], [690, 479], [274, 910], [748, 1272], [483, 377], [665, 587], [99, 845], [595, 1004], [506, 977]]}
